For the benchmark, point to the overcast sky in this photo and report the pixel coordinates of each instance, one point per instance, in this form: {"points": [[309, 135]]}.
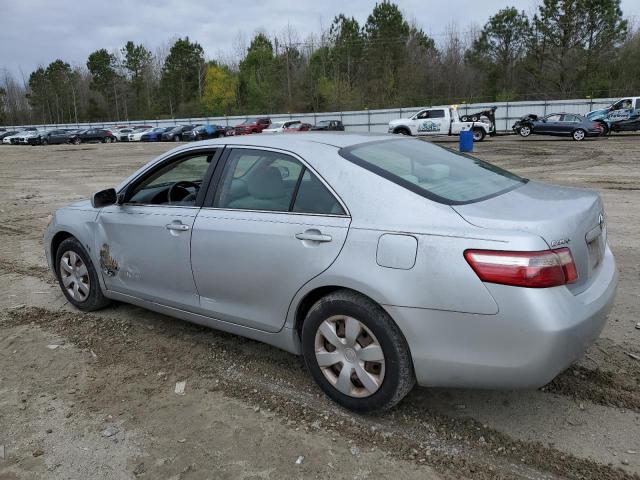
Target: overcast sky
{"points": [[36, 32]]}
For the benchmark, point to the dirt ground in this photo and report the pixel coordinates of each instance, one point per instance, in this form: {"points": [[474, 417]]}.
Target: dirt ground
{"points": [[91, 396]]}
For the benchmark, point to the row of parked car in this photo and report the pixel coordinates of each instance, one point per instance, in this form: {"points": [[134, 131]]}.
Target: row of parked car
{"points": [[620, 116], [148, 133]]}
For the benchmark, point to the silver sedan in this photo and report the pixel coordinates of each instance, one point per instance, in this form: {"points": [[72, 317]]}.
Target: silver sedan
{"points": [[384, 261]]}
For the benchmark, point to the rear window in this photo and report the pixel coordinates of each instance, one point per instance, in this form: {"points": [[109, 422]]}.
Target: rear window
{"points": [[432, 171]]}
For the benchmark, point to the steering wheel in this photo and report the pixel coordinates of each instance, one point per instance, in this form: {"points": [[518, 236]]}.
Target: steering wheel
{"points": [[182, 185]]}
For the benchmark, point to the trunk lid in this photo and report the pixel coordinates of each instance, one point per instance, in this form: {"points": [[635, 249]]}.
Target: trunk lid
{"points": [[562, 216]]}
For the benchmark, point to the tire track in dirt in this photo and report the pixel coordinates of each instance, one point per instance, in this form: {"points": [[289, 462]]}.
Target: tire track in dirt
{"points": [[241, 369]]}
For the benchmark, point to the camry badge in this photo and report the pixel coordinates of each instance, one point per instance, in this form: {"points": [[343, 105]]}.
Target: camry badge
{"points": [[562, 241]]}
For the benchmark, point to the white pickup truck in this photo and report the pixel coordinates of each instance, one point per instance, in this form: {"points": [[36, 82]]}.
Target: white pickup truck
{"points": [[444, 121]]}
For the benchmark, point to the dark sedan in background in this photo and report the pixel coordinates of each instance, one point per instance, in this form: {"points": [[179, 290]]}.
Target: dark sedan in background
{"points": [[57, 137], [204, 132], [329, 125], [155, 134], [92, 135], [175, 134], [558, 124]]}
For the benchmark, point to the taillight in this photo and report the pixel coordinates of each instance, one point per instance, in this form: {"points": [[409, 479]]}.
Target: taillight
{"points": [[548, 268]]}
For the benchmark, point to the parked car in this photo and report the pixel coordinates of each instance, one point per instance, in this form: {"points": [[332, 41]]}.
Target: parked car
{"points": [[7, 133], [558, 124], [621, 116], [30, 137], [329, 125], [153, 134], [440, 121], [136, 135], [353, 251], [203, 132], [14, 138], [122, 134], [92, 135], [287, 127], [252, 125], [175, 134], [56, 137]]}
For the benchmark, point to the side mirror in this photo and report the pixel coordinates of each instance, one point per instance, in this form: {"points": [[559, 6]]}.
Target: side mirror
{"points": [[104, 198]]}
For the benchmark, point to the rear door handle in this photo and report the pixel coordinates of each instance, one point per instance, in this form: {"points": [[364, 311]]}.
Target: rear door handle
{"points": [[314, 237], [177, 226]]}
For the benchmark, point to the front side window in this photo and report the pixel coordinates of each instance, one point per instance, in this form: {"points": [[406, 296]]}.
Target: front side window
{"points": [[272, 181], [432, 171], [437, 114], [177, 183], [553, 118]]}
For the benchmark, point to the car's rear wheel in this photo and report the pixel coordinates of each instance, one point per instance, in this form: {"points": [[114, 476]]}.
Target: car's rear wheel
{"points": [[524, 131], [176, 138], [605, 129], [579, 134], [76, 141], [78, 277], [44, 141], [356, 353], [478, 134]]}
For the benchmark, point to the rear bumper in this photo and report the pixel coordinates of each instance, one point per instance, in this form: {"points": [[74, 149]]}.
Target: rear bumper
{"points": [[536, 334]]}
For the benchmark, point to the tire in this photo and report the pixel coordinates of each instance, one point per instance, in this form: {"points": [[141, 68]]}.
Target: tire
{"points": [[605, 129], [402, 131], [578, 134], [87, 302], [478, 134], [475, 118], [44, 142], [464, 118], [176, 138], [525, 131], [390, 380], [76, 141]]}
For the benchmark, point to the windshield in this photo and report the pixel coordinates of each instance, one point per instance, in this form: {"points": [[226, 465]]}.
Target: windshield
{"points": [[431, 171]]}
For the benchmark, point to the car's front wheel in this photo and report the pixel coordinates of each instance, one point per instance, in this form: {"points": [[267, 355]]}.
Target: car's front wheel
{"points": [[78, 277], [356, 353], [524, 131]]}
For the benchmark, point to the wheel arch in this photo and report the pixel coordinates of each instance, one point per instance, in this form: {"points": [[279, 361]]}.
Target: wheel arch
{"points": [[402, 128], [311, 297]]}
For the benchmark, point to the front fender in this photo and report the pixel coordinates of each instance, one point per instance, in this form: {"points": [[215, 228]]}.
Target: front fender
{"points": [[80, 223]]}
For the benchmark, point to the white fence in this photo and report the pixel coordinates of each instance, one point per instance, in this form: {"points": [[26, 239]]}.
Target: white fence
{"points": [[377, 120]]}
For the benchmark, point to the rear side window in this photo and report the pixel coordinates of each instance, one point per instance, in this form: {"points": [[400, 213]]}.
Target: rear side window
{"points": [[272, 181], [314, 197], [432, 171]]}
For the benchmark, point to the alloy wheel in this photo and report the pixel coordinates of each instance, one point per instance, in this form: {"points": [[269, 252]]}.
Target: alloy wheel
{"points": [[525, 131], [75, 276], [349, 356], [578, 135]]}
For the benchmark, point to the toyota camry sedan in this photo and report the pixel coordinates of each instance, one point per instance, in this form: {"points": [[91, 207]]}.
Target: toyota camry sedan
{"points": [[383, 261]]}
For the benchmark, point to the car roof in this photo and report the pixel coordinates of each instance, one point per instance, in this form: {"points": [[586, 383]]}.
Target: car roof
{"points": [[303, 140]]}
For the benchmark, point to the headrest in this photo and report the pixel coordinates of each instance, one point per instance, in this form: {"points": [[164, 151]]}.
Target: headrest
{"points": [[266, 183]]}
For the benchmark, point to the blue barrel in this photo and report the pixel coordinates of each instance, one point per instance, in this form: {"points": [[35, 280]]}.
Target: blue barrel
{"points": [[466, 141]]}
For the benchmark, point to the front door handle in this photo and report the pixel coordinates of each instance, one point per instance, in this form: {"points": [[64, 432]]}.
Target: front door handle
{"points": [[314, 237], [177, 226]]}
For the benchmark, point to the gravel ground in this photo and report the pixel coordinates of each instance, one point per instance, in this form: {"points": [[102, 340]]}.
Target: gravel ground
{"points": [[92, 395]]}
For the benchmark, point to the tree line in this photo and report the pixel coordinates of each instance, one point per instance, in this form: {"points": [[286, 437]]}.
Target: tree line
{"points": [[566, 48]]}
